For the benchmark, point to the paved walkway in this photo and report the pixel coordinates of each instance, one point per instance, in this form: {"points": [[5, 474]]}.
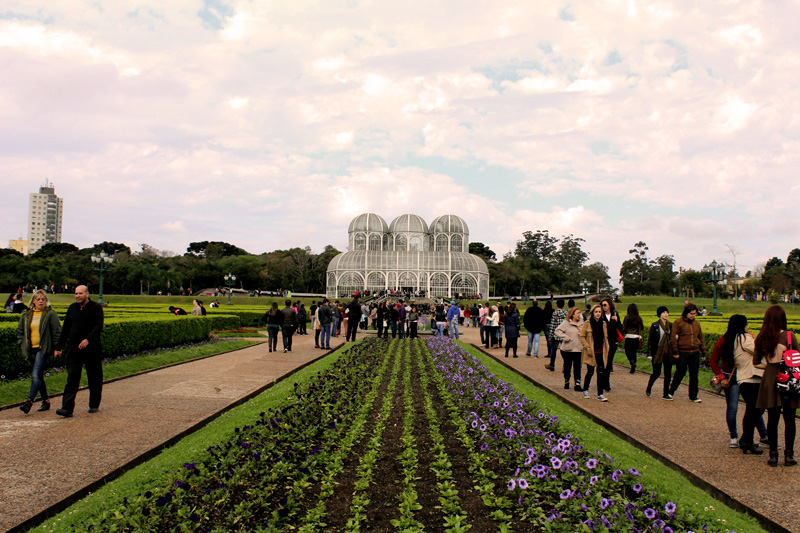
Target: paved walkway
{"points": [[692, 438], [45, 460]]}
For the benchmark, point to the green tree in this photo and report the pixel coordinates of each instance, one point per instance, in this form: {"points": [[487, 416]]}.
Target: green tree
{"points": [[483, 251], [539, 247]]}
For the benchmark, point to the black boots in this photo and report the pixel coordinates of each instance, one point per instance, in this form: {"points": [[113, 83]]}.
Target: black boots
{"points": [[749, 447], [789, 458], [45, 406], [773, 458], [26, 407]]}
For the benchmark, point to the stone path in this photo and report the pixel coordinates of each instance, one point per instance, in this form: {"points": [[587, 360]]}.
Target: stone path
{"points": [[46, 461]]}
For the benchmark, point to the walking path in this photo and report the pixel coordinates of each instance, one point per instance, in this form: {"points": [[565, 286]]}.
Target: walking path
{"points": [[47, 461], [692, 438]]}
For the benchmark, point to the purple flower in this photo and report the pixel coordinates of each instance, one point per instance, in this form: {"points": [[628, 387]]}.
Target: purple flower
{"points": [[523, 483], [589, 524], [634, 472], [512, 484], [591, 464], [605, 503], [670, 507], [593, 480], [615, 475], [556, 462], [659, 524], [650, 513], [637, 488], [566, 494]]}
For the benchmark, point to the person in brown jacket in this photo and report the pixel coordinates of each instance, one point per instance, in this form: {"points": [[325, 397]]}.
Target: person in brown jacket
{"points": [[687, 343], [594, 339]]}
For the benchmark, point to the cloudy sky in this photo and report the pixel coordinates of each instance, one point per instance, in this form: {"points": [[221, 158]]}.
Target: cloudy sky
{"points": [[271, 124]]}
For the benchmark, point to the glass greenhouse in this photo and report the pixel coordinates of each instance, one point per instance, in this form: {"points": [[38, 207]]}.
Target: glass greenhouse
{"points": [[408, 256]]}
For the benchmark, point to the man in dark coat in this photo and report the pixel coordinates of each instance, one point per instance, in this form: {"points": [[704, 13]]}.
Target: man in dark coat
{"points": [[534, 323], [80, 333], [353, 318], [289, 325]]}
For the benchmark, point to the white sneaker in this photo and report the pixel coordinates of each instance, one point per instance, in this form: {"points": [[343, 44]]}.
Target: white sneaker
{"points": [[734, 443], [585, 395], [602, 398], [696, 400]]}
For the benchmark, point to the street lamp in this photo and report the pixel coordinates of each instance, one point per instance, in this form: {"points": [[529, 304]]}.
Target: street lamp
{"points": [[714, 273], [102, 264], [230, 279], [584, 285]]}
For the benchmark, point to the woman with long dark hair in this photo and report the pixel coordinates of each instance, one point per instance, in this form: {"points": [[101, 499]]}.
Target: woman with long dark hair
{"points": [[632, 327], [614, 326], [771, 342], [594, 339], [732, 363], [274, 319]]}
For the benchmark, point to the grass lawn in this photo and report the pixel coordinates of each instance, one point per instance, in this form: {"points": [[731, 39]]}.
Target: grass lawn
{"points": [[14, 391]]}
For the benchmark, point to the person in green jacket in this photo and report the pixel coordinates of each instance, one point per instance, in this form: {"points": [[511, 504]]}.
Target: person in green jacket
{"points": [[37, 332]]}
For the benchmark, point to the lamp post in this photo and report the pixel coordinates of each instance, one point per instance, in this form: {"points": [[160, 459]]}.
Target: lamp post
{"points": [[714, 272], [230, 279], [584, 285], [102, 263]]}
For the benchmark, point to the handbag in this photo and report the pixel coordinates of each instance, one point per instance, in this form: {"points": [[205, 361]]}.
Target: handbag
{"points": [[718, 383], [788, 378]]}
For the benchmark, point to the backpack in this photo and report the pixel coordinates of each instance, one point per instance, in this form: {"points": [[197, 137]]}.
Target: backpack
{"points": [[789, 371]]}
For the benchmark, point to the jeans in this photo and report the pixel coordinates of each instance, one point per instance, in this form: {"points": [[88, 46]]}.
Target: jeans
{"points": [[272, 332], [94, 372], [732, 408], [552, 348], [500, 330], [440, 328], [287, 332], [401, 328], [474, 322], [533, 341], [752, 415], [334, 326], [454, 328], [352, 328], [572, 366], [692, 362], [325, 336], [394, 330], [37, 377], [789, 427], [667, 364], [483, 333]]}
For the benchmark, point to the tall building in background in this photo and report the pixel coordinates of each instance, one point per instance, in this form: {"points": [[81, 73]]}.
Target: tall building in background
{"points": [[45, 212]]}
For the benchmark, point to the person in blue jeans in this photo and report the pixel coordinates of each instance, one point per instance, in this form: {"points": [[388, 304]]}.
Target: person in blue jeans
{"points": [[274, 319], [452, 319], [440, 318], [325, 315], [37, 331]]}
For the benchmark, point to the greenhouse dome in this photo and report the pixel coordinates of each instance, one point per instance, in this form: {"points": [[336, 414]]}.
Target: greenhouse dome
{"points": [[408, 257]]}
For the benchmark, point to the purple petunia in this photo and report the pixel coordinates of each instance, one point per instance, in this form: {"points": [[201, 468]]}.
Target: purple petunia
{"points": [[556, 462], [637, 488], [650, 513], [522, 483], [634, 472], [591, 464], [589, 524], [565, 494], [593, 480], [670, 507], [512, 484], [615, 475], [605, 503]]}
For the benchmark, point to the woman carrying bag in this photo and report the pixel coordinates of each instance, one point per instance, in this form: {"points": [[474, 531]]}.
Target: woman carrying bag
{"points": [[37, 332]]}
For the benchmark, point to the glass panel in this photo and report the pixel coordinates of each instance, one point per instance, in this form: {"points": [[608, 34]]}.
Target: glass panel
{"points": [[360, 241], [455, 243]]}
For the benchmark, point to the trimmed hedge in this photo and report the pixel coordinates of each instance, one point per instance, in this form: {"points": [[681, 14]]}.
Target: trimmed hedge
{"points": [[126, 335]]}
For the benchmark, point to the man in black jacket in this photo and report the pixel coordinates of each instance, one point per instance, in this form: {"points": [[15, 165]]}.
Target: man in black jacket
{"points": [[353, 318], [80, 334], [534, 323], [289, 325]]}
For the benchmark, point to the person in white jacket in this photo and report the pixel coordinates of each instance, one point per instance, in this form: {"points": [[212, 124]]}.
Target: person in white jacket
{"points": [[569, 331]]}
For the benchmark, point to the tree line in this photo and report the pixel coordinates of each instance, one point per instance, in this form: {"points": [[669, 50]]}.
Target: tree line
{"points": [[540, 263]]}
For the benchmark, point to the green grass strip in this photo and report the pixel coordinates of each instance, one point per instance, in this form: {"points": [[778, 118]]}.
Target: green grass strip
{"points": [[17, 390], [160, 471], [671, 483]]}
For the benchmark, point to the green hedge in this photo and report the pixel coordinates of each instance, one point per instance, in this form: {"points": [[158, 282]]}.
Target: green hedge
{"points": [[127, 335]]}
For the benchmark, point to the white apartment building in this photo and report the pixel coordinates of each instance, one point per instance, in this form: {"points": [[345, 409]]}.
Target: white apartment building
{"points": [[45, 213]]}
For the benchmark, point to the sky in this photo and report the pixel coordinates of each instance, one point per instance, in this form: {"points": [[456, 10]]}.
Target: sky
{"points": [[272, 124]]}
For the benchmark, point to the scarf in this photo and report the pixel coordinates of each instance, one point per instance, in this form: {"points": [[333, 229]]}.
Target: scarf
{"points": [[664, 346]]}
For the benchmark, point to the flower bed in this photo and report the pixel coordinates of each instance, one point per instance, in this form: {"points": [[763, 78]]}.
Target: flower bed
{"points": [[400, 436]]}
